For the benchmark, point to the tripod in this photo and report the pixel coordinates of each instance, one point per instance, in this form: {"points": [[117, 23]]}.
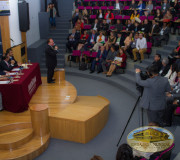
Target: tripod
{"points": [[130, 119]]}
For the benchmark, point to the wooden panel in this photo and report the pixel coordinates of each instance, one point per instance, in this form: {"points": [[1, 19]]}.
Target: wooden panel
{"points": [[5, 33]]}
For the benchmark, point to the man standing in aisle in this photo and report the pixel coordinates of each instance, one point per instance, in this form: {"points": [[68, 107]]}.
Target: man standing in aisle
{"points": [[56, 6], [51, 59]]}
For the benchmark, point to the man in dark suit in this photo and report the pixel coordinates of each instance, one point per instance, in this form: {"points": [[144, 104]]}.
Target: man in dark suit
{"points": [[51, 59], [155, 29], [72, 40], [5, 66], [96, 25], [154, 94], [104, 26], [56, 6], [157, 61], [11, 57], [165, 67], [101, 56], [91, 40]]}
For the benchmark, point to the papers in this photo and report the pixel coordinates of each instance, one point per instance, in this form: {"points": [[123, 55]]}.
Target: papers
{"points": [[12, 74], [16, 69], [119, 59], [4, 82]]}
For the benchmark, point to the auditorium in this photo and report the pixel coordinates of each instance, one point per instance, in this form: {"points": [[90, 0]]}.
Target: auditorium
{"points": [[89, 79]]}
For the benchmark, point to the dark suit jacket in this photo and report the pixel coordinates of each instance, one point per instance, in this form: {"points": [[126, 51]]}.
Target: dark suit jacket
{"points": [[165, 70], [158, 64], [104, 27], [5, 67], [166, 34], [12, 58], [76, 37], [146, 28], [51, 59], [90, 36], [104, 55], [167, 7], [97, 26], [156, 29]]}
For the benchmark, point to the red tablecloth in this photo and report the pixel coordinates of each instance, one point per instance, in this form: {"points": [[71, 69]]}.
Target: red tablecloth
{"points": [[16, 96]]}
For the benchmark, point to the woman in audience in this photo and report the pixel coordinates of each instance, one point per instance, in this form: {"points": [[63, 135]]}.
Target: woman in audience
{"points": [[158, 16], [79, 25], [149, 8], [128, 41], [82, 40], [109, 16], [134, 15], [167, 16], [172, 74], [111, 41], [137, 27], [85, 16], [174, 7], [141, 6], [133, 5], [117, 62], [99, 41], [100, 15]]}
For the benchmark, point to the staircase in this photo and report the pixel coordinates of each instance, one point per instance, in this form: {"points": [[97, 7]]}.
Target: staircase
{"points": [[59, 35]]}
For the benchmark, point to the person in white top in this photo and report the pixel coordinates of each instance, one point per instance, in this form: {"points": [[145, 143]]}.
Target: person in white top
{"points": [[99, 41], [141, 47], [172, 74], [118, 6]]}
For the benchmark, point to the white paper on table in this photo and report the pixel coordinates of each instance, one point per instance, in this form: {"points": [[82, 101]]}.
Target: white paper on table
{"points": [[119, 59], [16, 69], [4, 82], [11, 74]]}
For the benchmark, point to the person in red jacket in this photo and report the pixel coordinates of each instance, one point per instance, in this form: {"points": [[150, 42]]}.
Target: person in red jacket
{"points": [[109, 16], [117, 62]]}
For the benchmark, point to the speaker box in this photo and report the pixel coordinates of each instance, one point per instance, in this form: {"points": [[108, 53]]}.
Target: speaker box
{"points": [[23, 16]]}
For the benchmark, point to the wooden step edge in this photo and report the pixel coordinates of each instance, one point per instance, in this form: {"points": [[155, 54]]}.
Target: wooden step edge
{"points": [[18, 143], [28, 151], [104, 99], [14, 126]]}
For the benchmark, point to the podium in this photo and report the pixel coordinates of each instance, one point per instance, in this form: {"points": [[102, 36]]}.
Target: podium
{"points": [[59, 75]]}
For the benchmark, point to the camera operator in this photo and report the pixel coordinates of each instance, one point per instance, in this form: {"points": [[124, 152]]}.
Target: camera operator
{"points": [[154, 95]]}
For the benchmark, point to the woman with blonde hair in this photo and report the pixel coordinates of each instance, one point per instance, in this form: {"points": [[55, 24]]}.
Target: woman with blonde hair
{"points": [[85, 16], [111, 40]]}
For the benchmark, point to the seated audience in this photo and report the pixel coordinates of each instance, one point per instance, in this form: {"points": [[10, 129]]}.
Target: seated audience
{"points": [[141, 47], [137, 27], [52, 14], [85, 16], [118, 6], [141, 6], [91, 40], [115, 63], [128, 41], [155, 29], [110, 57], [119, 40], [172, 74], [77, 15], [146, 27], [165, 67], [79, 26], [134, 15], [165, 6], [157, 61], [163, 35], [96, 26], [83, 40], [174, 7], [5, 66], [104, 26], [119, 26], [132, 45], [133, 5], [100, 15], [99, 41], [111, 40], [149, 7], [72, 40], [129, 25], [100, 58], [167, 17], [109, 16], [158, 16]]}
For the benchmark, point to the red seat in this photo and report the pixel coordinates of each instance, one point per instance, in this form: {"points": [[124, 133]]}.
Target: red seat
{"points": [[87, 53], [126, 8], [76, 53], [111, 7], [94, 54], [87, 27], [157, 7], [89, 8], [81, 7], [112, 27], [150, 18], [126, 17], [142, 18], [103, 7], [92, 16], [118, 17], [96, 7]]}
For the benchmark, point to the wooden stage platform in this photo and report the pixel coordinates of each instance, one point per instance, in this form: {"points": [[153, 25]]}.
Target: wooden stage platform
{"points": [[71, 117]]}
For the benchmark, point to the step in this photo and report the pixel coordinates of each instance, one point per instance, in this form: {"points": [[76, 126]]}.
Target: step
{"points": [[147, 61], [14, 135], [173, 43], [169, 48], [163, 52], [141, 66], [128, 78], [29, 150]]}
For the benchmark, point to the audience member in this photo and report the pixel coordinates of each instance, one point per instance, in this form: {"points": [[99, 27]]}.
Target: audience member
{"points": [[146, 27], [157, 61], [117, 62], [5, 66], [149, 7], [167, 17], [119, 40], [77, 15], [119, 26], [109, 16], [100, 15], [172, 74], [52, 15], [111, 40], [158, 16], [124, 152], [141, 47], [96, 25], [134, 15], [55, 2], [104, 26], [83, 40], [128, 41], [85, 16], [118, 6], [165, 6], [141, 6], [174, 7], [154, 97], [133, 5], [72, 40], [91, 40], [137, 27], [99, 41], [100, 58], [165, 67], [110, 57], [79, 26]]}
